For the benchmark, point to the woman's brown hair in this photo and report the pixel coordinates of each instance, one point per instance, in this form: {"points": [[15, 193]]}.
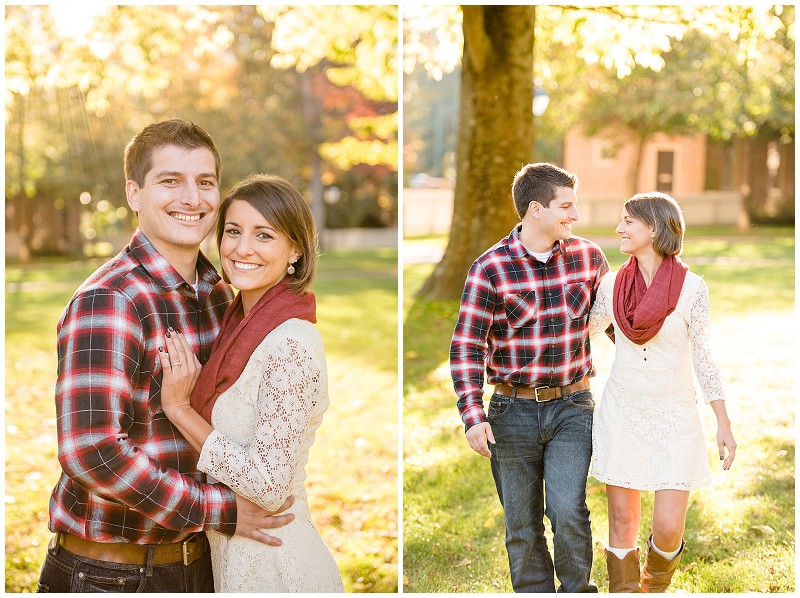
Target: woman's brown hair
{"points": [[663, 214]]}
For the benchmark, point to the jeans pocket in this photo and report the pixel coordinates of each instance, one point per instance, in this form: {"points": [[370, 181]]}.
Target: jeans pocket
{"points": [[89, 578], [582, 399], [498, 407]]}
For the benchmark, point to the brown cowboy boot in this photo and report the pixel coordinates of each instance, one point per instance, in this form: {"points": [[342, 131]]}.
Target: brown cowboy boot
{"points": [[658, 571], [623, 574]]}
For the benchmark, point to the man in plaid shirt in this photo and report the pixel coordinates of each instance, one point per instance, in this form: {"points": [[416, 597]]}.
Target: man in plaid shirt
{"points": [[523, 319], [130, 508]]}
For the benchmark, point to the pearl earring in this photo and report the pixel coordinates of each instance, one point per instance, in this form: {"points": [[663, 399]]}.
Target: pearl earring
{"points": [[290, 270]]}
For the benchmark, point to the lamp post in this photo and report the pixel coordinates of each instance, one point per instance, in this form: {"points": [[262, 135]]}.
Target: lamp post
{"points": [[541, 99]]}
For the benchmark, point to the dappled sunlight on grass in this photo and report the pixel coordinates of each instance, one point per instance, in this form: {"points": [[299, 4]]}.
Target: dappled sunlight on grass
{"points": [[352, 469], [350, 507], [740, 528]]}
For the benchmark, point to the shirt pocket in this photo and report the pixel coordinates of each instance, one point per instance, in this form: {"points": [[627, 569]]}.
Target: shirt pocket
{"points": [[578, 297], [520, 309]]}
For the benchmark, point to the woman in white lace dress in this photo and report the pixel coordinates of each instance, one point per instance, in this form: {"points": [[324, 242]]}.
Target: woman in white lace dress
{"points": [[257, 403], [647, 433]]}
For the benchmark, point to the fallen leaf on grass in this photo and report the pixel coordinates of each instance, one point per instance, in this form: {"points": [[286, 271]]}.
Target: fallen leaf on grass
{"points": [[464, 562], [764, 529], [489, 523]]}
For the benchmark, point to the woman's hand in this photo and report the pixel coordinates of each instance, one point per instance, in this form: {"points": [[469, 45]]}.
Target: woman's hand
{"points": [[725, 439], [181, 369], [724, 434]]}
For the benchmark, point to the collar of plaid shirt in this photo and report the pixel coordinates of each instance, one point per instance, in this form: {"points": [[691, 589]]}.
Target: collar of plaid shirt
{"points": [[517, 250], [163, 274]]}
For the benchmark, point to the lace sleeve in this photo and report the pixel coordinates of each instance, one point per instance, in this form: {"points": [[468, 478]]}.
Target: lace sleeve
{"points": [[289, 411], [705, 368], [600, 316]]}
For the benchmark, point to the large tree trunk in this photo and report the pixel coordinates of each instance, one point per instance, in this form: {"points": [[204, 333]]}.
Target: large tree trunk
{"points": [[495, 137]]}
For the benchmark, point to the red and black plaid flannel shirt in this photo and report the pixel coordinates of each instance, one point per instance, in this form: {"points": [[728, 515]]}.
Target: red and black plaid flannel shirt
{"points": [[523, 321], [127, 473]]}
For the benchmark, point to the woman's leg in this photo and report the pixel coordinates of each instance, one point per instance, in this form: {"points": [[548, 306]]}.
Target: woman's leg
{"points": [[669, 518], [624, 516]]}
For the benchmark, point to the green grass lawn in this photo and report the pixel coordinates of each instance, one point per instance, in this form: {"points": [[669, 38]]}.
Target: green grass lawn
{"points": [[352, 470], [740, 529]]}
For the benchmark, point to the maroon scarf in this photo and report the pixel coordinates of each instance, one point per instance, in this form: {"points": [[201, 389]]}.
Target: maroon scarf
{"points": [[239, 337], [640, 311]]}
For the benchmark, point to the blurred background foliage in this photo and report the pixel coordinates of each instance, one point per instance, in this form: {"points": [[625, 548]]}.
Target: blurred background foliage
{"points": [[508, 85], [625, 72], [725, 71], [306, 92]]}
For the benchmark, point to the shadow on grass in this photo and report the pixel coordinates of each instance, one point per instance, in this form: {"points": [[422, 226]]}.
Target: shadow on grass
{"points": [[357, 311], [778, 463], [453, 522], [427, 331], [744, 543]]}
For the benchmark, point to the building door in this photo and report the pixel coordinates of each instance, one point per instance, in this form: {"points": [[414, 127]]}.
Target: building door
{"points": [[666, 162]]}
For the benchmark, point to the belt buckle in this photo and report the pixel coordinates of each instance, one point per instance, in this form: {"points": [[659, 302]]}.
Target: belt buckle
{"points": [[185, 550], [536, 393]]}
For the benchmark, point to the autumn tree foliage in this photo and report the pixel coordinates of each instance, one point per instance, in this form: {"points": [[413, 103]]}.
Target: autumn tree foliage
{"points": [[73, 102], [602, 67]]}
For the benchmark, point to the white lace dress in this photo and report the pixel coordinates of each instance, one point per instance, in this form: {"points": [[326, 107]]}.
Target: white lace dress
{"points": [[264, 426], [647, 431]]}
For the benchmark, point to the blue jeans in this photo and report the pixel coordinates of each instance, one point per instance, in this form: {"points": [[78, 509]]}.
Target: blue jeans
{"points": [[63, 572], [543, 450]]}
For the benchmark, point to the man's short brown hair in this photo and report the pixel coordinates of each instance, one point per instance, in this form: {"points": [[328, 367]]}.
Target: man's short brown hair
{"points": [[539, 182], [181, 133]]}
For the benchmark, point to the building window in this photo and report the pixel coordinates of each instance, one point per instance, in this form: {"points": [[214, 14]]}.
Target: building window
{"points": [[664, 171]]}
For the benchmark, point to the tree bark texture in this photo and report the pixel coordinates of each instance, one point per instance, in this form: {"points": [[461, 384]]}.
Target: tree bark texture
{"points": [[495, 137]]}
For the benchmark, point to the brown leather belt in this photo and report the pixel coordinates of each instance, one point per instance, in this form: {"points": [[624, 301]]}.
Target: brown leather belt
{"points": [[185, 552], [542, 393]]}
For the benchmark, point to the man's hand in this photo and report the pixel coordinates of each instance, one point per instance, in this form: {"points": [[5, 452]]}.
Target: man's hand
{"points": [[477, 435], [251, 519]]}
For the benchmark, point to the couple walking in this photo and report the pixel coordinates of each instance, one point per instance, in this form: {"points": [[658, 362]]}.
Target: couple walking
{"points": [[171, 469], [529, 307]]}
